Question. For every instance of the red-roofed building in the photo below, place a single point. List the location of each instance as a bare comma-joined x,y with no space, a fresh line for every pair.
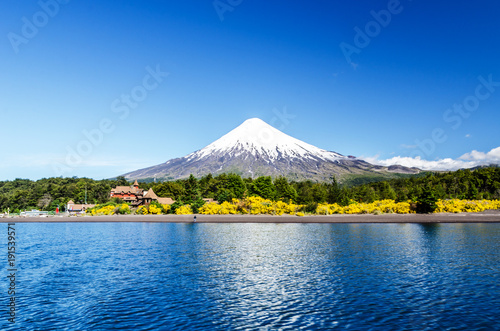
127,193
136,197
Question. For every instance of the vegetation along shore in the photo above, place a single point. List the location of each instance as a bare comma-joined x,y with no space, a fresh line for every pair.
229,194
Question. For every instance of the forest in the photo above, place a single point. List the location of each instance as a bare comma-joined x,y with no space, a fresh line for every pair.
51,193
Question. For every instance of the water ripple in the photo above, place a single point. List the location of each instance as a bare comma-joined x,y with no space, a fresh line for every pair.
145,276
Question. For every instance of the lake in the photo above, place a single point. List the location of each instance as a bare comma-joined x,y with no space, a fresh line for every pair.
172,276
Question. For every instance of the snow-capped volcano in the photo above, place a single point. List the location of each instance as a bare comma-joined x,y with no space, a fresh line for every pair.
254,149
257,138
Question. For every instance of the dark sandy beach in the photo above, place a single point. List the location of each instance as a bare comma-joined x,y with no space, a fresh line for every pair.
491,216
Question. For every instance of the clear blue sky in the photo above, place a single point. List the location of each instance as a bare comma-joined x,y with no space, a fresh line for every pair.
68,68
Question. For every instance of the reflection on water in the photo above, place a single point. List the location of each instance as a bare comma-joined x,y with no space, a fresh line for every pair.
248,276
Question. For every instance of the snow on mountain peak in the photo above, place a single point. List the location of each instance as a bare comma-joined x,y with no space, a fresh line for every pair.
254,149
258,138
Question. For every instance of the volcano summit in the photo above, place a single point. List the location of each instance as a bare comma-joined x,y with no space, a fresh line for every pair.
254,149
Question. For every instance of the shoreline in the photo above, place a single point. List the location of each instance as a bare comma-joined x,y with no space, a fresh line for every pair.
490,216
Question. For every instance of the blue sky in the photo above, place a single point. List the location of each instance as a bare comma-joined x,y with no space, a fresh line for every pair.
97,89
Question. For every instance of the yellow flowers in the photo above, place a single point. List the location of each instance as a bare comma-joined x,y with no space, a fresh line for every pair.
142,210
123,209
224,208
106,210
152,209
166,208
250,205
465,206
376,207
257,205
261,206
109,209
184,210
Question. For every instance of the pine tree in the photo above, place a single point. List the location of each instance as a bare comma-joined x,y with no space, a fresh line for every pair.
334,191
426,202
284,190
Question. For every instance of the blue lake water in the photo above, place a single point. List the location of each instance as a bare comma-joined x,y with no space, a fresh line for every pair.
165,276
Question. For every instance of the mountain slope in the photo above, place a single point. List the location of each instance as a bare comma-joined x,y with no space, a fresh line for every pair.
256,149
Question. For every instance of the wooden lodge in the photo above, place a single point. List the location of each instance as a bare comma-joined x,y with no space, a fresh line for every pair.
137,197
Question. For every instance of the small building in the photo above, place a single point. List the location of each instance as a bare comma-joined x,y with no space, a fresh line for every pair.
209,200
149,196
33,213
78,207
166,201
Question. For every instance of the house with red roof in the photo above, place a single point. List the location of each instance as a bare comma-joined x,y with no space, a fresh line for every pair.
136,196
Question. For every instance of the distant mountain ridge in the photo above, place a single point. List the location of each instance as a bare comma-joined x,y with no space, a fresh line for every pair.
254,149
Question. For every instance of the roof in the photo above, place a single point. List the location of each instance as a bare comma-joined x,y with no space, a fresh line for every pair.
81,206
150,194
125,189
166,201
135,183
70,202
208,200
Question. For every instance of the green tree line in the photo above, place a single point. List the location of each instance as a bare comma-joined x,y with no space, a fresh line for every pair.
49,193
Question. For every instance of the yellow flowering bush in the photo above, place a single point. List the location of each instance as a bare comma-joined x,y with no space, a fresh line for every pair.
123,209
109,209
105,210
467,206
224,208
376,207
142,210
154,210
286,208
390,206
260,206
184,210
228,208
211,208
165,208
327,209
250,205
257,205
